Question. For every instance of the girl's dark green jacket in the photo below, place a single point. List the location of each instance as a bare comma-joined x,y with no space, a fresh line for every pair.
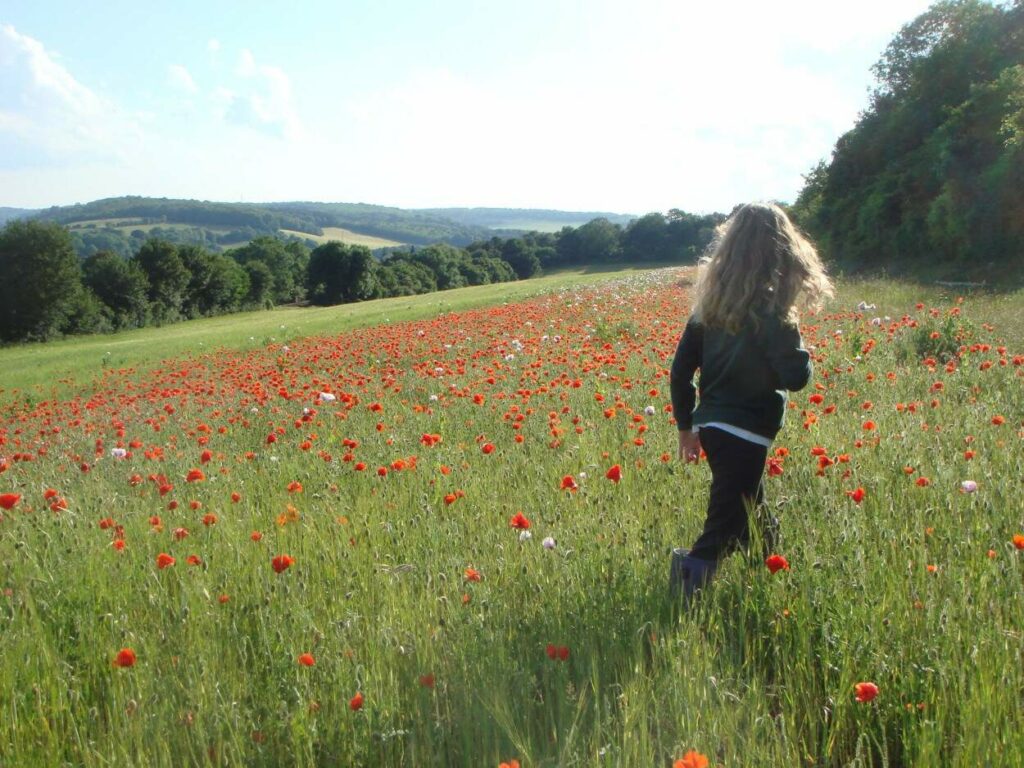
743,377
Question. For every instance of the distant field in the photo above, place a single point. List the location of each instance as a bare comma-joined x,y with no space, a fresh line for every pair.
530,225
129,225
346,236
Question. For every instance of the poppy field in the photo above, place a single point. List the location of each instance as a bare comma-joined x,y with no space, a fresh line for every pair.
446,541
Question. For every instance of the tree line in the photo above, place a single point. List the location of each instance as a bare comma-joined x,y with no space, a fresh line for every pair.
49,291
931,177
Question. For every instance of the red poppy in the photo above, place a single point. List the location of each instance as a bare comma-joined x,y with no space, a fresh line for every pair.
519,521
487,448
125,658
356,702
692,759
1018,540
195,476
614,473
857,495
472,574
193,560
777,563
163,560
294,487
865,692
569,483
306,659
427,681
282,563
8,500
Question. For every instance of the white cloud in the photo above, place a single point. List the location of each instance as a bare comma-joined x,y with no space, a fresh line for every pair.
180,79
246,63
46,114
263,100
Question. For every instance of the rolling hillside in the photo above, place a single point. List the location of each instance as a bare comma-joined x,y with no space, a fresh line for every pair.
122,224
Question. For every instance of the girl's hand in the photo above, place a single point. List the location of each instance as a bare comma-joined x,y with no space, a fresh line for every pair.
689,446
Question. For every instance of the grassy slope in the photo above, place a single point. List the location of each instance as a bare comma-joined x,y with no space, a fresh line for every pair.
46,370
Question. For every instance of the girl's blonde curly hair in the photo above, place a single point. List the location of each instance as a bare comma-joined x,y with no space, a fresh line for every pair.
759,264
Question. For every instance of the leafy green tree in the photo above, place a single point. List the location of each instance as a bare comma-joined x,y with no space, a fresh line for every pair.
217,284
120,285
931,174
498,270
339,273
260,279
287,262
443,260
646,239
167,278
401,275
88,314
41,280
598,241
521,258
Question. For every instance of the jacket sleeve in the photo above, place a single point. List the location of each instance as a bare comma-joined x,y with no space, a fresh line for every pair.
688,358
787,356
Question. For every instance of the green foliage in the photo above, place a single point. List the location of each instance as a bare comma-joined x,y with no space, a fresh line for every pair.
87,314
217,284
938,338
41,280
932,172
339,273
261,285
167,279
121,286
523,260
402,275
287,263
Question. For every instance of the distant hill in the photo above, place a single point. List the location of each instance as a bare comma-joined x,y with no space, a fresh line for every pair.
525,219
7,214
122,224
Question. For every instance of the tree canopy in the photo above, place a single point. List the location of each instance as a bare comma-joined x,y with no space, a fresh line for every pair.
933,172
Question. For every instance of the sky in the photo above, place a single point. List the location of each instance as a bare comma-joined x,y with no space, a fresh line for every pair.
579,105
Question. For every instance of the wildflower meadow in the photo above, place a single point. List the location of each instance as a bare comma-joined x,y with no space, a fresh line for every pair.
446,542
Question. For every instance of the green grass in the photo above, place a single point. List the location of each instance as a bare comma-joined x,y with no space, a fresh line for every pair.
916,588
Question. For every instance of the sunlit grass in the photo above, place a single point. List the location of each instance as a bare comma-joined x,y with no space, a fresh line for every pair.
915,588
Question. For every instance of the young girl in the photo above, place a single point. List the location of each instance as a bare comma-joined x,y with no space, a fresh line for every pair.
743,337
